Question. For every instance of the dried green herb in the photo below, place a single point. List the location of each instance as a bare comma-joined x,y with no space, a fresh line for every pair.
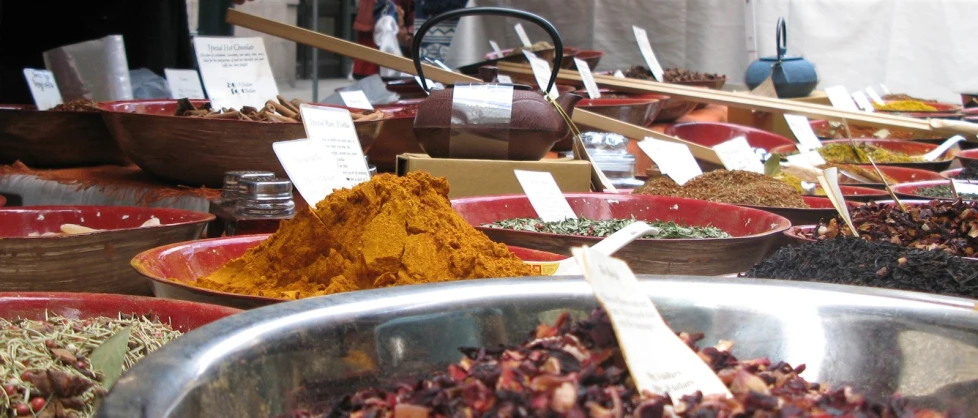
603,228
943,191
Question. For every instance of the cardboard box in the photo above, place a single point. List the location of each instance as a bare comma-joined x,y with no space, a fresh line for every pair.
491,177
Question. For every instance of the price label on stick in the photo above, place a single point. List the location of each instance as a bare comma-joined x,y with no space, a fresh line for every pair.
658,360
43,87
592,87
184,84
863,101
765,89
356,99
335,127
840,98
497,53
541,72
312,168
673,159
874,95
810,158
645,47
885,90
799,126
522,34
963,187
829,179
736,154
544,195
235,71
504,79
619,74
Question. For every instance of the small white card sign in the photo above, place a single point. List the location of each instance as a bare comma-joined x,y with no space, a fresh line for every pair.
736,154
807,159
885,90
504,79
619,74
236,72
496,52
312,168
863,101
965,187
874,95
522,34
830,184
356,99
184,84
592,87
545,195
799,126
541,72
43,87
673,159
840,98
335,126
645,47
658,360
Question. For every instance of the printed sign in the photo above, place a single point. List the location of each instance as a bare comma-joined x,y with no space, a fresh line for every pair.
545,195
736,154
646,48
673,159
356,99
335,127
310,164
236,72
799,126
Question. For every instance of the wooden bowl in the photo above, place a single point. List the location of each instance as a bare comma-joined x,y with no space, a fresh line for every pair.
96,262
819,208
172,267
909,190
754,231
55,139
196,151
710,134
183,316
905,147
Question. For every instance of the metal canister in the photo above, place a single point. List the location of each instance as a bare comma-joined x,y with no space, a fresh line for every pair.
229,193
264,197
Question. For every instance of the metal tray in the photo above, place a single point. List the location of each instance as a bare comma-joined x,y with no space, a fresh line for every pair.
268,361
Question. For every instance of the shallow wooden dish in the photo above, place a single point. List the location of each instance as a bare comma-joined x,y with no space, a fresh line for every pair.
197,151
754,231
96,262
905,147
55,139
170,268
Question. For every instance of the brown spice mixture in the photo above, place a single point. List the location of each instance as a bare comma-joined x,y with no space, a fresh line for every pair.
734,187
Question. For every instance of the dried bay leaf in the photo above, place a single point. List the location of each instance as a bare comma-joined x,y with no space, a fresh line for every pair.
108,358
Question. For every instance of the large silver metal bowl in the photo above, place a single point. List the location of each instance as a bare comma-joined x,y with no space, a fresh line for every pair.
268,361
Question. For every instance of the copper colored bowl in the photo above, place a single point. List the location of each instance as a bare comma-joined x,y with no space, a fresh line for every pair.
55,139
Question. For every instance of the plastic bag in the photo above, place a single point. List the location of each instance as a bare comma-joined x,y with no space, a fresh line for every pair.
385,36
94,70
147,85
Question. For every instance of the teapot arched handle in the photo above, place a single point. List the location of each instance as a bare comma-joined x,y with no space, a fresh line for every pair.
781,38
489,11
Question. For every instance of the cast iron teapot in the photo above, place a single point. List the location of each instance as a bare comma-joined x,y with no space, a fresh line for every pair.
792,76
534,124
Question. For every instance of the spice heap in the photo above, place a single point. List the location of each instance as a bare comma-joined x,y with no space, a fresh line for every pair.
847,154
734,187
603,228
671,75
61,367
833,130
859,262
77,106
893,97
947,226
576,370
282,111
845,171
905,106
537,46
385,232
943,191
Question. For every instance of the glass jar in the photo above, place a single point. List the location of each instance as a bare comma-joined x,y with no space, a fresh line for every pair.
609,152
263,202
229,193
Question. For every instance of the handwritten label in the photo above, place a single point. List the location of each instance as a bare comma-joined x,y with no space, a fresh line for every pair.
807,159
802,129
184,84
541,72
522,34
356,99
658,360
587,78
504,79
765,89
673,159
964,187
840,98
312,168
496,52
830,184
43,87
544,195
736,154
863,101
645,47
885,90
874,95
236,71
335,127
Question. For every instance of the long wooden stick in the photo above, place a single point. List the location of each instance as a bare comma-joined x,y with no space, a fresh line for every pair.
353,50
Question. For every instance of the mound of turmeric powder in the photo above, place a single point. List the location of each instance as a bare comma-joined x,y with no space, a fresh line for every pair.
388,231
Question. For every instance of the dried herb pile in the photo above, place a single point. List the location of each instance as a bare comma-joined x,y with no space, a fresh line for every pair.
833,130
671,75
859,262
77,106
280,110
947,226
603,228
577,370
734,187
61,367
943,191
847,154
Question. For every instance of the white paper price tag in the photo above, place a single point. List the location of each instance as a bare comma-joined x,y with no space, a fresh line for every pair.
496,52
43,87
592,87
799,126
311,167
184,84
658,360
830,184
874,95
964,187
541,72
619,74
862,101
646,48
335,126
356,99
885,90
766,89
544,195
673,159
840,98
807,159
736,154
236,72
431,84
522,34
504,79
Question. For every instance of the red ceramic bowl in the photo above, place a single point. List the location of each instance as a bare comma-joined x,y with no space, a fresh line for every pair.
900,174
862,194
710,134
53,139
591,56
641,112
3,200
968,157
183,316
170,268
905,147
952,173
819,208
95,262
938,108
909,190
753,231
197,151
672,108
